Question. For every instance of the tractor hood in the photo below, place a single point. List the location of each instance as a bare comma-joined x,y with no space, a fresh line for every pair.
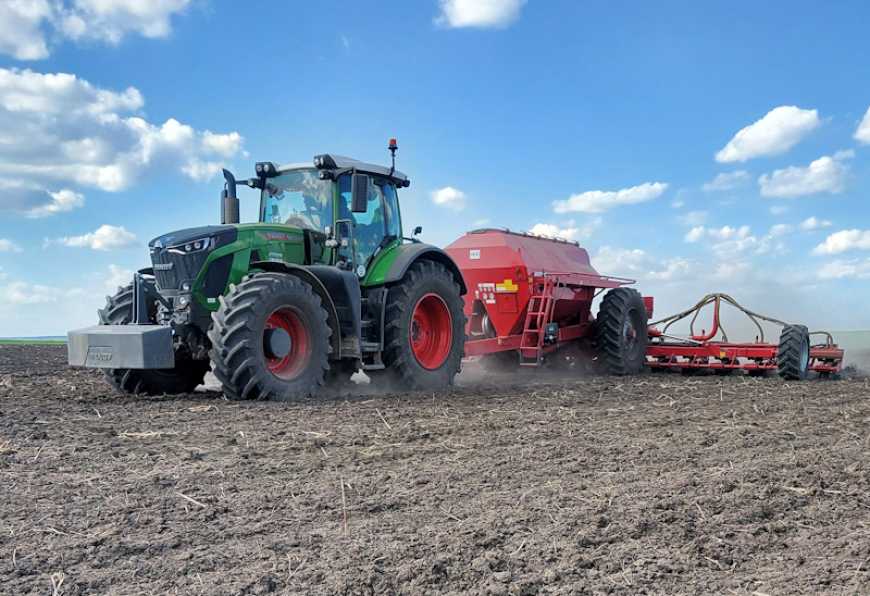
220,235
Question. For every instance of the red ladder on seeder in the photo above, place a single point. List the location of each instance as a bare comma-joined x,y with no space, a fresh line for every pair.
538,315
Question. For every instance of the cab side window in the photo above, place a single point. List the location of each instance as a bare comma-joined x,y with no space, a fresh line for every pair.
369,228
391,206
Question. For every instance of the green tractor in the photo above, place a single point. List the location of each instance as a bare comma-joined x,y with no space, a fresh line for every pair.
323,285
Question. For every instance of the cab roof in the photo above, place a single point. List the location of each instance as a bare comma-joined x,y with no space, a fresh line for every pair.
343,163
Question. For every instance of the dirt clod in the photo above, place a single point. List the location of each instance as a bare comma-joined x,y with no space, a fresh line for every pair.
657,484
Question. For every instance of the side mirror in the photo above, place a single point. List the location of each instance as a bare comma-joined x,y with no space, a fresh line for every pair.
359,193
418,230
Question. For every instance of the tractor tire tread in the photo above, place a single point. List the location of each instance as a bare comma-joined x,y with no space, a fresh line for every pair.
235,352
397,355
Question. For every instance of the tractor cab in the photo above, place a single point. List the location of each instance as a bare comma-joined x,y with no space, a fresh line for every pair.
354,205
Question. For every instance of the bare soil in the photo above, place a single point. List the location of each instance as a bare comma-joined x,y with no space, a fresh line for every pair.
508,485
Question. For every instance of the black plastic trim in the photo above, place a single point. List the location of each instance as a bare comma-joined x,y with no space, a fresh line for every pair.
411,253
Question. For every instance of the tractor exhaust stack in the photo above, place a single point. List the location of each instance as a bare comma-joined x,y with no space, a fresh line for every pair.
229,200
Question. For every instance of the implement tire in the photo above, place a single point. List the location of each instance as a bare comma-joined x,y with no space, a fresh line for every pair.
621,332
793,354
270,339
424,334
184,378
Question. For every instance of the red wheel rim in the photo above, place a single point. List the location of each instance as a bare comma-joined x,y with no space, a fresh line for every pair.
431,331
290,366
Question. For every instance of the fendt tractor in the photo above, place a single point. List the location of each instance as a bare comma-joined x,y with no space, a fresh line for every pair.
322,285
326,284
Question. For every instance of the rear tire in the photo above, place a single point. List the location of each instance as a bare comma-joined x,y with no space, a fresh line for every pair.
262,305
793,355
621,332
184,378
424,334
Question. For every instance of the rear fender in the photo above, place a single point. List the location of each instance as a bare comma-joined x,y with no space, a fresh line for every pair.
319,288
408,254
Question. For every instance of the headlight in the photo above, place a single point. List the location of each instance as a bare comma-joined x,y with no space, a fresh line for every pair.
193,246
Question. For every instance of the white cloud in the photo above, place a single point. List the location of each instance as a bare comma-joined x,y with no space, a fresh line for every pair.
824,175
570,231
731,271
723,233
20,28
678,204
778,131
224,145
843,241
638,263
672,269
59,129
27,25
779,230
478,13
19,292
814,223
727,181
61,201
7,245
553,231
598,201
695,234
111,20
449,197
778,210
105,237
118,277
693,218
862,133
845,269
29,199
728,241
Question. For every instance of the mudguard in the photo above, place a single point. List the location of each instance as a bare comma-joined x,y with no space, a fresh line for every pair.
411,253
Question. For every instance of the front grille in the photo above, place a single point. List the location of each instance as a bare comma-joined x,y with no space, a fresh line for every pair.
184,267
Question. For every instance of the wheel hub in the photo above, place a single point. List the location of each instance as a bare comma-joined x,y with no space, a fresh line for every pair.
286,343
277,342
431,333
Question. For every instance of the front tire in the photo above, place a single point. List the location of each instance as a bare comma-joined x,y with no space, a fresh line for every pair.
184,378
425,328
622,332
270,339
793,354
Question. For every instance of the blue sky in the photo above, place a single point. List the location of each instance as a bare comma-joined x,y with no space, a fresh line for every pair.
597,121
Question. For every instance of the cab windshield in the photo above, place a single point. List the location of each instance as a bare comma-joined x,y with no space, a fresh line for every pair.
298,198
